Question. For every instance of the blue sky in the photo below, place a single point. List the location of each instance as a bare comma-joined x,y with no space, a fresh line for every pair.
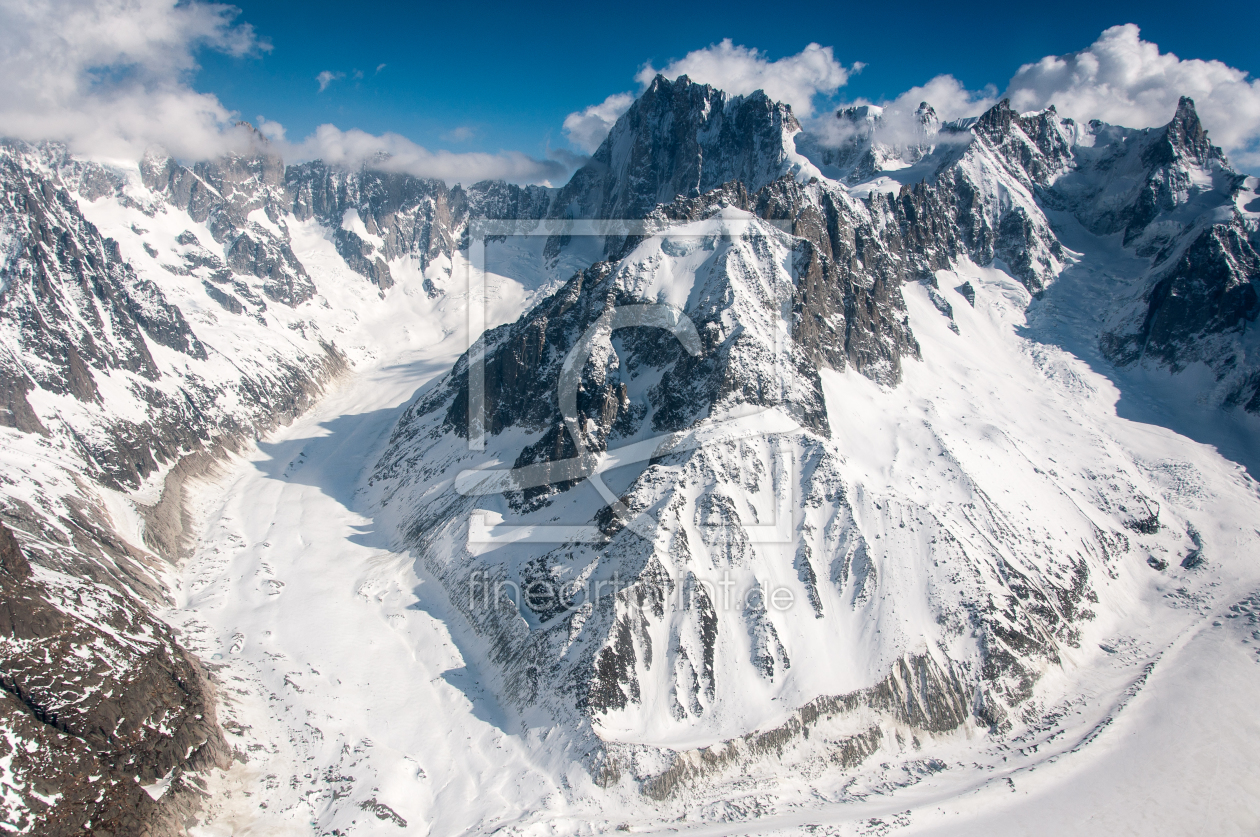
509,73
518,90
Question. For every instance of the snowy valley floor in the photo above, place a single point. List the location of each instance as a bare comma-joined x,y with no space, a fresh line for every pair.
349,697
354,695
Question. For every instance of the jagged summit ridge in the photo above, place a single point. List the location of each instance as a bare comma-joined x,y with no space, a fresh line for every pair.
682,139
1169,191
1187,137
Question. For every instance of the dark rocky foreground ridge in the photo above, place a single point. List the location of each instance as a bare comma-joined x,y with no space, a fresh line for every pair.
88,731
107,374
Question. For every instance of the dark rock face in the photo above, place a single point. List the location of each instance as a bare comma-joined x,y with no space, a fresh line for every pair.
1203,290
402,214
496,199
953,173
58,261
15,410
99,725
680,139
1035,143
409,215
848,305
1024,152
1210,288
847,308
76,309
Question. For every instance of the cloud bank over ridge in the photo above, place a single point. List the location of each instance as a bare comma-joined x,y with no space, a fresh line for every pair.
1119,79
113,78
1124,80
738,70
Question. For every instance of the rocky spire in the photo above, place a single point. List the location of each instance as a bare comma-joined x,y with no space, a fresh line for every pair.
1184,137
995,123
929,122
681,138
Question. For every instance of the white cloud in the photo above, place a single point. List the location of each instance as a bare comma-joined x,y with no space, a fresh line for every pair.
392,152
270,129
326,78
899,121
587,128
111,77
739,70
948,98
460,133
1119,79
1124,80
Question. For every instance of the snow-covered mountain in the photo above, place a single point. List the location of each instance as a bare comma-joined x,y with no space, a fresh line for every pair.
942,591
840,501
860,143
1168,193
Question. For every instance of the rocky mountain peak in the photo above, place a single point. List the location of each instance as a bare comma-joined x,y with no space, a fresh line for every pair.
995,123
927,117
1036,148
868,139
681,138
861,114
1184,138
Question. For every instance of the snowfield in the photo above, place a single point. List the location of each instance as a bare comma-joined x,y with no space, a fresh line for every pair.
359,703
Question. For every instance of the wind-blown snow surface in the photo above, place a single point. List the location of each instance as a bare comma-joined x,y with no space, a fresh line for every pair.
360,704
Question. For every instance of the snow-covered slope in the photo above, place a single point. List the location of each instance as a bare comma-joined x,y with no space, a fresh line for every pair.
946,544
828,492
386,702
156,317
